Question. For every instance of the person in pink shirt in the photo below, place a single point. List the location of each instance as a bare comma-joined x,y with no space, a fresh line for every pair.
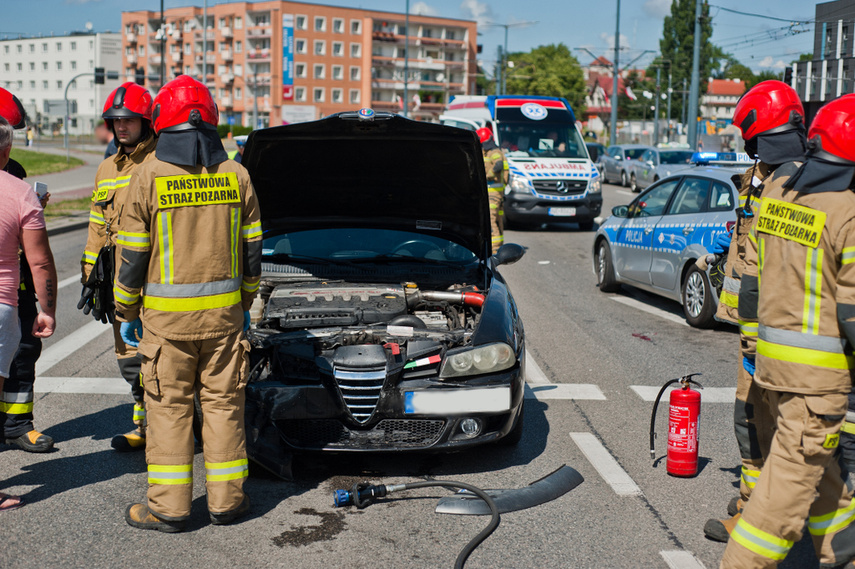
22,226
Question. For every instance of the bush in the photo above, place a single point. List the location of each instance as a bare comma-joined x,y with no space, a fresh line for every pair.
237,130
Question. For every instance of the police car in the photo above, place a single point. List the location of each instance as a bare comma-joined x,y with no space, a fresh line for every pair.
653,242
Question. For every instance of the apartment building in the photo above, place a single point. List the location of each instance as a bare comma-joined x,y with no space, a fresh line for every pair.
41,71
719,102
288,61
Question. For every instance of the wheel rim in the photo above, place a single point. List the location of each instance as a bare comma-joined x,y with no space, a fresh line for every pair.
633,184
623,178
601,263
695,290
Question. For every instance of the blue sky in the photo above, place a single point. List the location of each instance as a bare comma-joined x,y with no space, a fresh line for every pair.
758,42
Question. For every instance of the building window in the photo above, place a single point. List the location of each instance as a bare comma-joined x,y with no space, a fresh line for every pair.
32,48
21,66
74,46
320,47
32,66
337,72
337,96
6,66
300,94
239,70
73,65
44,47
319,71
58,66
221,23
20,48
338,26
300,46
238,23
354,73
32,84
449,34
238,46
238,93
141,50
301,22
318,95
300,70
44,65
338,48
45,85
355,50
59,84
354,96
58,46
320,24
356,26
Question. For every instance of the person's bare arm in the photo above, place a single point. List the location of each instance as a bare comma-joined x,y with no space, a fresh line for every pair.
37,249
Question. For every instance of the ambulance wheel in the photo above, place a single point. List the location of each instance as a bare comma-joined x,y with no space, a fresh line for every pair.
605,270
698,303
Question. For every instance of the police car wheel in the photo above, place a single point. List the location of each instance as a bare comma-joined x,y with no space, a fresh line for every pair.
624,181
605,270
698,305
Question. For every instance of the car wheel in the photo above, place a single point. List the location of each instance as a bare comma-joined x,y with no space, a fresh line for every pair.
633,184
623,179
514,436
605,270
698,302
655,179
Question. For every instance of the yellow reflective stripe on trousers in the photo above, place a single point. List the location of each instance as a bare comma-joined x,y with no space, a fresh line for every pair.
170,473
234,226
750,477
729,299
748,328
848,427
251,230
97,218
164,225
139,412
221,471
847,255
16,408
804,356
759,541
832,522
813,291
142,240
167,304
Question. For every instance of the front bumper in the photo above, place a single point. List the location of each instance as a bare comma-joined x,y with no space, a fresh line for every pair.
536,209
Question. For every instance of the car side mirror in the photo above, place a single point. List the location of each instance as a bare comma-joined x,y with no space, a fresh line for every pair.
620,211
508,254
618,157
650,163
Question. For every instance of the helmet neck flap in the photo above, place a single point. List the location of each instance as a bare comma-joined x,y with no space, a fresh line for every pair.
191,146
822,172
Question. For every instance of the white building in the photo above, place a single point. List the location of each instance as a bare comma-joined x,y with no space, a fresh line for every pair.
39,71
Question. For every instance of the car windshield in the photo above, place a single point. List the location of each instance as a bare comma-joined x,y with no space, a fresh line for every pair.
676,156
363,244
634,153
541,140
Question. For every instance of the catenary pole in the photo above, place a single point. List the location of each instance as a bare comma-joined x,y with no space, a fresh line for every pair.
692,118
616,73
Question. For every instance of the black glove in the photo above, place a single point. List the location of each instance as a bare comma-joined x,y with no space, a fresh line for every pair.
86,302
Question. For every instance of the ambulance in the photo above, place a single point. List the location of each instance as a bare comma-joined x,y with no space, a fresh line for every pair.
552,177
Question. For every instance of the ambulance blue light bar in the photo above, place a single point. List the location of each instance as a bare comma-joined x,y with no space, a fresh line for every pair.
706,158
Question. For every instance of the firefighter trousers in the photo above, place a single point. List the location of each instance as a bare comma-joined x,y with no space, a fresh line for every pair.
16,398
847,437
803,460
496,194
129,366
754,427
172,373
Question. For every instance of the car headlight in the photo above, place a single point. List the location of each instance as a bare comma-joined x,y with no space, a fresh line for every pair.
476,361
595,186
519,184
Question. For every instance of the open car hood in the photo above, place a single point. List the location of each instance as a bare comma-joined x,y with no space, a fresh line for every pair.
371,169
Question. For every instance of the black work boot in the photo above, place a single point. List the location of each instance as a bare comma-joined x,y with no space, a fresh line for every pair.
139,516
129,442
225,518
33,441
720,530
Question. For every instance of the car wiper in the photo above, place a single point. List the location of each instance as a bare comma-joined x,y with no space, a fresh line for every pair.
280,257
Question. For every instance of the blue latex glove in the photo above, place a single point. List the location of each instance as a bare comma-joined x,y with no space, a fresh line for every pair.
748,365
129,332
246,321
721,243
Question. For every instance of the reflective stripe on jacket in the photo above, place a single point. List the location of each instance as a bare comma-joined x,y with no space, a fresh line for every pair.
189,250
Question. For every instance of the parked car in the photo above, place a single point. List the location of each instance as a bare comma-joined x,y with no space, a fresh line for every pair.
618,162
657,163
596,152
653,242
385,324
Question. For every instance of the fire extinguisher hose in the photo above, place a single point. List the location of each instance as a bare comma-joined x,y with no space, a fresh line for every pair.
653,417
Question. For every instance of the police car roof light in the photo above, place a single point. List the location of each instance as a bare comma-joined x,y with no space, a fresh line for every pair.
706,158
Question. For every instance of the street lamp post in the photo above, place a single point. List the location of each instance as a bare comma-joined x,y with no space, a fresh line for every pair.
501,82
613,118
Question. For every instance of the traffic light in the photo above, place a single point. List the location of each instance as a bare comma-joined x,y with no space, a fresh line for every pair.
139,76
788,75
99,75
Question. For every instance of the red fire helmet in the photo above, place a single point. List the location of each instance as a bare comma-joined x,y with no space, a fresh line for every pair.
11,109
129,100
769,107
183,103
484,134
834,124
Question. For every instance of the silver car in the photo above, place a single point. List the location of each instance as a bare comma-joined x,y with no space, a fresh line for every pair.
618,162
653,242
655,164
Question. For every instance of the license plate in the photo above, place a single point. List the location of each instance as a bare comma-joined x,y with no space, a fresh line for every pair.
457,401
562,211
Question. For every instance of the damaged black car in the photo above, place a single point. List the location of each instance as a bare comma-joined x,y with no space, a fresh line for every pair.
382,323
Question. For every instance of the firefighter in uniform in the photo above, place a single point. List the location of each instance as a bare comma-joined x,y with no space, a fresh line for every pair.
497,176
16,398
127,112
190,262
799,282
771,117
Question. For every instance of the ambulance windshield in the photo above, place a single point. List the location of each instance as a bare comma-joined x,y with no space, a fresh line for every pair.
544,139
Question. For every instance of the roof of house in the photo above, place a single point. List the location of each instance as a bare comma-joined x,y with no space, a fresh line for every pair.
732,87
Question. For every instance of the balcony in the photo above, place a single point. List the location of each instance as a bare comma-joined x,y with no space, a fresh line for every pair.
132,59
176,34
177,56
208,36
226,55
227,33
132,38
226,102
258,32
155,59
258,54
227,78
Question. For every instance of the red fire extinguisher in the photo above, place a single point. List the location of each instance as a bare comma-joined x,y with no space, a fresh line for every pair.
683,414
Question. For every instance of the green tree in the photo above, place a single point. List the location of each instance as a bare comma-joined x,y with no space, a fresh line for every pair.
677,45
548,70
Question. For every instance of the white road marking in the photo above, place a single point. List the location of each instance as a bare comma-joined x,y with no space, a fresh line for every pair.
533,373
543,262
624,192
70,344
681,560
599,219
650,309
90,385
606,465
70,280
708,394
542,392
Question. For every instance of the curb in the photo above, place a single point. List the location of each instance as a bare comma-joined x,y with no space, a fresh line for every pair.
69,224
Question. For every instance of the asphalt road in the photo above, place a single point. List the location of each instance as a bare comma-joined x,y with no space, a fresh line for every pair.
585,409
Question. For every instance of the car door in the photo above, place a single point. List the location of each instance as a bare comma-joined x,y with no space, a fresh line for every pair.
634,240
645,169
609,161
684,223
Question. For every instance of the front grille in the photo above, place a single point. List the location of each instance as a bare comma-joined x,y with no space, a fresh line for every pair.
560,187
388,433
360,390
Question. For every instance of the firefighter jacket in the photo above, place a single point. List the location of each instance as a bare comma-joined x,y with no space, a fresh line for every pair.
189,250
110,198
496,166
799,280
